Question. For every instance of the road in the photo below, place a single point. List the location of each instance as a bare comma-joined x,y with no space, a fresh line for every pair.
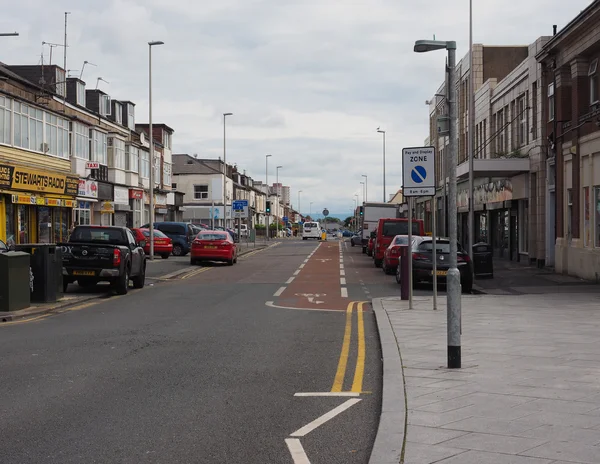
264,362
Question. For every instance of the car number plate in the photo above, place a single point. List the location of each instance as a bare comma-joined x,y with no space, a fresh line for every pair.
440,273
84,273
210,247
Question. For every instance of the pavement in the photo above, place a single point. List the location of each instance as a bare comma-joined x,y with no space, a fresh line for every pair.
528,391
196,369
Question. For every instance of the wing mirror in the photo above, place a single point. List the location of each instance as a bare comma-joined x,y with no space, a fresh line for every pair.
142,243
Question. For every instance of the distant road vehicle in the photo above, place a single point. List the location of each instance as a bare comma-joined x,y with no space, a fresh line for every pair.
387,229
182,234
311,230
163,245
372,213
392,253
104,254
213,245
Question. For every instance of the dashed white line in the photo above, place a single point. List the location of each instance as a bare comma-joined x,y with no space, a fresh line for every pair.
344,292
342,281
341,266
342,272
297,272
302,265
279,292
301,432
290,280
297,451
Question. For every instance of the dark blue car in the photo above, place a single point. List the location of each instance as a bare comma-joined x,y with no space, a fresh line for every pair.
182,234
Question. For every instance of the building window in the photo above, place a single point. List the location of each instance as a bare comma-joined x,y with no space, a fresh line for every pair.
131,116
157,170
56,136
593,74
133,159
586,218
500,133
80,94
174,186
200,192
98,142
569,213
105,105
145,166
166,174
551,102
167,140
5,120
29,127
522,118
81,141
118,114
118,153
534,111
597,216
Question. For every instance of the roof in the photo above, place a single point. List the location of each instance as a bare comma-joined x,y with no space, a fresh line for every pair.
187,164
155,124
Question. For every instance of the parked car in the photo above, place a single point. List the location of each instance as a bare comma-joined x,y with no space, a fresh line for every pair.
231,232
244,232
163,245
347,233
181,233
103,254
387,229
213,245
3,247
422,262
356,240
392,253
371,244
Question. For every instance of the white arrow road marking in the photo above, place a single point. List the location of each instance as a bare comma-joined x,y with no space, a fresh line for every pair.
324,260
324,418
297,451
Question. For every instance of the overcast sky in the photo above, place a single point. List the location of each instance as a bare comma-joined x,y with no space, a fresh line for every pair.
308,81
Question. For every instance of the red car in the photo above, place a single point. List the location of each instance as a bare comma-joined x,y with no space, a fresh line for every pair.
371,243
392,253
213,245
163,245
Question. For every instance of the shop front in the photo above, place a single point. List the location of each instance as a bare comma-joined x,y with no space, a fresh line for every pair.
160,207
36,205
104,210
136,197
86,197
122,208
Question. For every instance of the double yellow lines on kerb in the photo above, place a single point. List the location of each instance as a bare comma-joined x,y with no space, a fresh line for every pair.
340,375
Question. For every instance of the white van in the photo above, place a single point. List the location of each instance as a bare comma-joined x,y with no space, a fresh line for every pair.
244,230
311,230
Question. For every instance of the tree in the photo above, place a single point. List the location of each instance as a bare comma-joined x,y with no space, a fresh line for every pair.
348,221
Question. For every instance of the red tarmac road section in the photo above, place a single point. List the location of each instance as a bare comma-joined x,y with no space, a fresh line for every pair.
317,286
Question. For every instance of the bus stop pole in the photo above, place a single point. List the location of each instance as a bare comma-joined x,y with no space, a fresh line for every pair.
433,239
410,276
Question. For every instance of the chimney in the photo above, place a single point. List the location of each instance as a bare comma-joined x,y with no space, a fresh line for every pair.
554,29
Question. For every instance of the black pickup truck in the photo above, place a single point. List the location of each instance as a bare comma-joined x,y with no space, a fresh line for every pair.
108,254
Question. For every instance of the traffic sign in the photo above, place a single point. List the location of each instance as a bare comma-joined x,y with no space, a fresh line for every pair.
325,212
418,171
239,205
284,219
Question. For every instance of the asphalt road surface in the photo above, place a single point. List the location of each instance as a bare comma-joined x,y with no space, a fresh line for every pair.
262,362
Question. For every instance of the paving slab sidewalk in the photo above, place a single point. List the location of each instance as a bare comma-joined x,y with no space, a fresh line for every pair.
528,391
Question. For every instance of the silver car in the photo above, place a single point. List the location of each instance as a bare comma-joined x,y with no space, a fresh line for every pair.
356,240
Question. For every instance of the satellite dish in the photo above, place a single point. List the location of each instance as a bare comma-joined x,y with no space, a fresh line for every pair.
142,139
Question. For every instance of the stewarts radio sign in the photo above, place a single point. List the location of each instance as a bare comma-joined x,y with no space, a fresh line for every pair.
32,180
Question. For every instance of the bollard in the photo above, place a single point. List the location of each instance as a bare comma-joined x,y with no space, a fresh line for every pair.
404,277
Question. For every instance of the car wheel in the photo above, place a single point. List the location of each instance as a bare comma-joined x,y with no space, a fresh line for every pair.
398,275
230,262
235,259
165,256
364,250
377,262
177,250
352,243
140,280
121,286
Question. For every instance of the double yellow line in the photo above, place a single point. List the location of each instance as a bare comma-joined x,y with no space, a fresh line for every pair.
357,383
194,273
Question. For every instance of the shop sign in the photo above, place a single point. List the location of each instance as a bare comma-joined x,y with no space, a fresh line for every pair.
160,201
136,194
88,188
107,207
492,192
21,178
121,195
92,165
41,201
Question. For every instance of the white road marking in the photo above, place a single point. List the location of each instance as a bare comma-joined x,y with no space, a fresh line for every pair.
351,394
342,272
272,304
324,418
302,265
297,451
342,281
305,261
290,280
341,266
280,291
344,292
297,272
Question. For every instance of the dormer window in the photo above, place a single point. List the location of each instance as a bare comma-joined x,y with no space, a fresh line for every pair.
61,82
105,109
80,93
118,113
131,116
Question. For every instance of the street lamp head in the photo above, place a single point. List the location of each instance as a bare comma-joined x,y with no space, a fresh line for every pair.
423,46
9,34
227,114
268,156
156,42
380,131
279,167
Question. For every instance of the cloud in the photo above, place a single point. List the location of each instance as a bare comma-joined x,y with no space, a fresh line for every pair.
308,82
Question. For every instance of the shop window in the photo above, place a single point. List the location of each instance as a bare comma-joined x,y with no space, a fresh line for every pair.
23,224
11,239
44,234
524,232
586,218
597,216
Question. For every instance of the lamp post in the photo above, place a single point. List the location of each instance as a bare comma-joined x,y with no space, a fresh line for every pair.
225,173
9,34
453,278
355,215
277,196
366,186
383,132
267,192
151,141
299,212
364,191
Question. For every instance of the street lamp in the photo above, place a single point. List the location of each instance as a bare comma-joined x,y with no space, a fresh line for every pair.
151,141
366,186
355,214
299,212
277,196
225,173
364,193
453,278
267,191
383,132
9,34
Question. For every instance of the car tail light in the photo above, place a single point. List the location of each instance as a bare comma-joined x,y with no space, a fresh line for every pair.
395,251
116,257
463,258
420,257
